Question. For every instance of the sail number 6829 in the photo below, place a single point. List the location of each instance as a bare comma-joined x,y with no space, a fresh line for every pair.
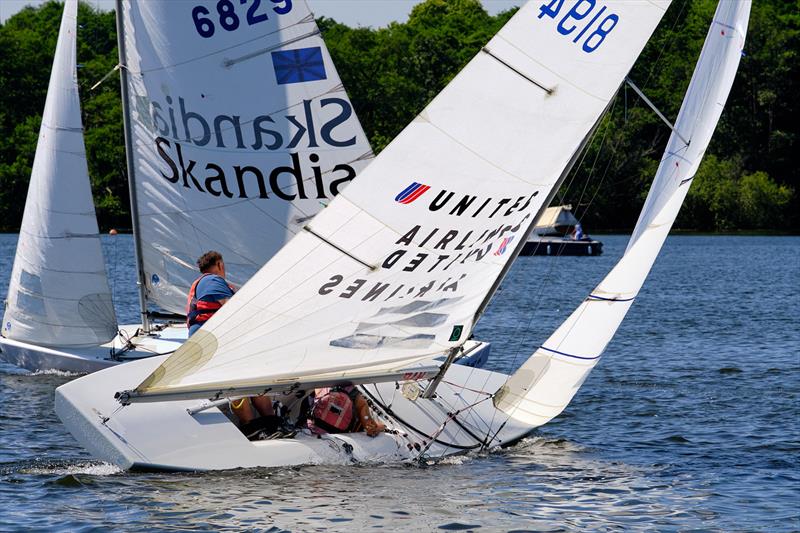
228,17
575,21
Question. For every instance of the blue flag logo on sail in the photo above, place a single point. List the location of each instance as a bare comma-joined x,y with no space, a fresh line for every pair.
503,245
299,65
411,193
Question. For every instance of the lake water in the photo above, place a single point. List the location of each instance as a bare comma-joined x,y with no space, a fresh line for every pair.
690,422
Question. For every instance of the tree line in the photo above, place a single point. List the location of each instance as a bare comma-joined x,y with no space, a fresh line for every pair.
748,179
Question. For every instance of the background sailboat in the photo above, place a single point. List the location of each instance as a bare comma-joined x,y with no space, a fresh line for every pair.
59,293
239,132
234,140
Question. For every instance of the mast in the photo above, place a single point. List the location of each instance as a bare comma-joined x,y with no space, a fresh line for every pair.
126,115
488,298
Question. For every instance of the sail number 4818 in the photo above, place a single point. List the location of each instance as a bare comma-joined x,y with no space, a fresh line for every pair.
229,18
580,20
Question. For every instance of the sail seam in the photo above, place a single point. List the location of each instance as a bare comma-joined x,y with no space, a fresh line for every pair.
677,155
59,237
487,160
728,26
192,60
71,272
591,358
228,63
595,297
69,129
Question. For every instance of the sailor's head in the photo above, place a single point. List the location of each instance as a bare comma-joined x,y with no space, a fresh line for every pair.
211,263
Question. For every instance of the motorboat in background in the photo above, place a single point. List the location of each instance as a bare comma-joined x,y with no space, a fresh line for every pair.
558,233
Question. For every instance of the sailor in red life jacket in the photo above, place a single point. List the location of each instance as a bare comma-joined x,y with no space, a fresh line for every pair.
207,295
341,410
209,292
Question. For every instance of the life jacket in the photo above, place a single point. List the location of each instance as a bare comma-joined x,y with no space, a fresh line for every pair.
199,311
333,411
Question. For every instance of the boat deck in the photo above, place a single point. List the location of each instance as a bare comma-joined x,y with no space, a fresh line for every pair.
92,358
561,246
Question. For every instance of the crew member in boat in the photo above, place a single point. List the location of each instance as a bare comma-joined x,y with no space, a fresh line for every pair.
341,410
209,292
207,295
578,234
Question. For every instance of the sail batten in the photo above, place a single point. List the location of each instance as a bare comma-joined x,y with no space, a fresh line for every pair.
546,383
59,293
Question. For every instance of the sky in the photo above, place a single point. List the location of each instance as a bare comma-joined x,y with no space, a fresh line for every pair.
351,12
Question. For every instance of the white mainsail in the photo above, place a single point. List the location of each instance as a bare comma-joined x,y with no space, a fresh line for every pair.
241,132
59,292
546,383
396,267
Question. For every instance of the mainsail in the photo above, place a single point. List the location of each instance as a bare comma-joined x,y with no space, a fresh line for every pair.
546,383
59,293
241,131
395,268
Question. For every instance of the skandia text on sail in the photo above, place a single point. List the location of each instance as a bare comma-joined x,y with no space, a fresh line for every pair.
178,130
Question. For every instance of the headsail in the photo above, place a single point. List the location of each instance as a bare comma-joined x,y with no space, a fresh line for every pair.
59,293
241,132
546,383
395,268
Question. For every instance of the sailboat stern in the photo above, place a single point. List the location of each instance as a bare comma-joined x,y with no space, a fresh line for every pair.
85,425
161,436
86,406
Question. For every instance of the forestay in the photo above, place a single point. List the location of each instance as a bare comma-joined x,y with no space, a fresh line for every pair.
395,268
546,383
241,132
59,293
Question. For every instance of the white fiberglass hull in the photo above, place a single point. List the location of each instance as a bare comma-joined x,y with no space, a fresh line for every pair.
165,436
93,358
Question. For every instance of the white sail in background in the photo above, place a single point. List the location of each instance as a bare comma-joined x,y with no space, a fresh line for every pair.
396,267
546,383
59,293
241,132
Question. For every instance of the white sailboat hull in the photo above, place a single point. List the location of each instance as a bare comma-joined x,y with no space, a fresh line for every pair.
85,360
165,436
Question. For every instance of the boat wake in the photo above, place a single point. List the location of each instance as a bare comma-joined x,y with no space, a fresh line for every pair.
59,373
90,469
60,468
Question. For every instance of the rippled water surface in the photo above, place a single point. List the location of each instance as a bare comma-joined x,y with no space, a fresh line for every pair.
690,421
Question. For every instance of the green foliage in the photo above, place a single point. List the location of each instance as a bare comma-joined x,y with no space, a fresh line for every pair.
28,40
726,197
392,73
749,175
747,181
